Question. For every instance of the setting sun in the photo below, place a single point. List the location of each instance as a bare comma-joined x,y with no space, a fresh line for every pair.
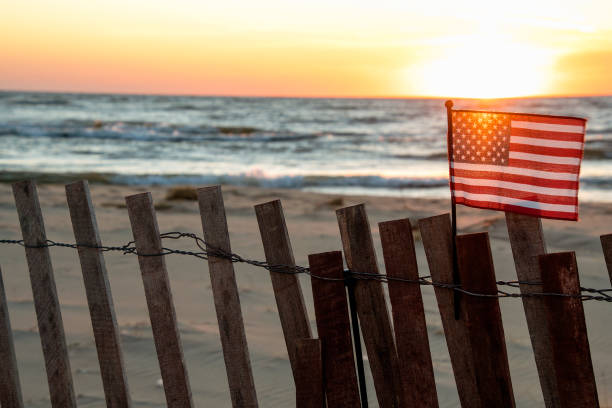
486,67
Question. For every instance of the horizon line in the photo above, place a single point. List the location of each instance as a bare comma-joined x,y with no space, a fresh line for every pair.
297,96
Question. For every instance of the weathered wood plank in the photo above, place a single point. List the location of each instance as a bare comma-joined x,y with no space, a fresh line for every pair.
159,300
527,241
606,244
436,235
334,329
483,320
287,289
227,299
570,343
371,306
408,313
46,303
10,388
99,297
309,374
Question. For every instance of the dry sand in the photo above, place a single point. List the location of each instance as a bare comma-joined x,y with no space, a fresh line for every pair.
313,228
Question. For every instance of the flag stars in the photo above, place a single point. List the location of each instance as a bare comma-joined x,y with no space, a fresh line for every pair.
481,136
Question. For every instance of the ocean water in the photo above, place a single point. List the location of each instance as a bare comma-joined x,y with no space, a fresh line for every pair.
364,146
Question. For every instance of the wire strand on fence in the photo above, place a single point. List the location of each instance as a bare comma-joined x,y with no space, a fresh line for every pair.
206,250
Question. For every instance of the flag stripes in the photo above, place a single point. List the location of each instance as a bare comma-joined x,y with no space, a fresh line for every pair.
549,167
536,173
517,152
534,181
496,202
519,171
518,194
563,136
549,127
528,188
545,142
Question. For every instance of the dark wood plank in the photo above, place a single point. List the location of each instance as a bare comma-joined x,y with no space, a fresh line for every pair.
10,388
227,300
46,303
527,241
606,244
570,343
371,306
334,329
159,300
309,374
436,235
287,289
99,297
408,314
483,319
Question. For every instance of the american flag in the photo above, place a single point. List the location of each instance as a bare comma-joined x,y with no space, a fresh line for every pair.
519,163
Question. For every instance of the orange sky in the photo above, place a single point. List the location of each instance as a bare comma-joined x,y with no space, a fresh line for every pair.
280,48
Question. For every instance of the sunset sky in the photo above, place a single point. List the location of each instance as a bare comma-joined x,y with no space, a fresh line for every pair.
314,48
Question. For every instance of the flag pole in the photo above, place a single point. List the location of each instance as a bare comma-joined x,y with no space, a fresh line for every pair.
449,141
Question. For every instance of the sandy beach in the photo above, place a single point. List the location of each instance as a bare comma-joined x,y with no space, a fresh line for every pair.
313,228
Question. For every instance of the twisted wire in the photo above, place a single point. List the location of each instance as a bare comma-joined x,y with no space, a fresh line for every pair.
206,251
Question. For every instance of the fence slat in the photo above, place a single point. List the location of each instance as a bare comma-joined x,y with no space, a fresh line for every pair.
408,313
334,329
606,244
159,300
227,300
436,234
371,306
527,241
99,297
287,289
483,320
10,388
570,344
46,303
309,374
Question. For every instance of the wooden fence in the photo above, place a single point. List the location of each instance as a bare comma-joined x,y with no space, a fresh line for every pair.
324,368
